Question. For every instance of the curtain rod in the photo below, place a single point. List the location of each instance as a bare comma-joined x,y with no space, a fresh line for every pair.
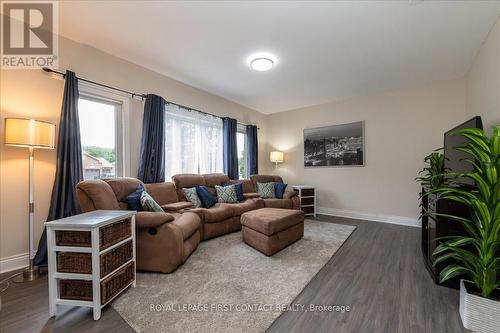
133,94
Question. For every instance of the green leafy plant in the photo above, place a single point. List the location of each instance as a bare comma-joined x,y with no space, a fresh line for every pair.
432,176
479,261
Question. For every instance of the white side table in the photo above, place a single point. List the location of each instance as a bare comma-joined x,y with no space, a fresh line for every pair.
307,197
79,246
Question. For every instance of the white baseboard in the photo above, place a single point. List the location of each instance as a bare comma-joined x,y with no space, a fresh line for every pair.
402,220
11,263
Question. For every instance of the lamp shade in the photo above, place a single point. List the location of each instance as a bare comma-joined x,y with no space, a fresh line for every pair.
277,156
29,133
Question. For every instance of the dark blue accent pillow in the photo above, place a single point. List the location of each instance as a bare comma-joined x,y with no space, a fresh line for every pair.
239,191
279,189
134,199
207,199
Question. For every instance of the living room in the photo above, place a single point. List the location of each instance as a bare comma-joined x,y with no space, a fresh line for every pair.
261,166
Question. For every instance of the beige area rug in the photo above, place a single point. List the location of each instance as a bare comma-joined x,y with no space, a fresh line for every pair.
227,286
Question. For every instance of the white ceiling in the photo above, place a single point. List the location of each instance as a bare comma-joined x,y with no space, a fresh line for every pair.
326,50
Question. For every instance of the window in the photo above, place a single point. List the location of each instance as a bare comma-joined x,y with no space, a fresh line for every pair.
193,142
241,138
100,131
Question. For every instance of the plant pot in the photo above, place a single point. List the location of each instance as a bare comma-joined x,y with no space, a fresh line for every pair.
478,314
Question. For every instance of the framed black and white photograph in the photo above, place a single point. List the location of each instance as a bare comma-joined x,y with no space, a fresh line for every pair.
336,145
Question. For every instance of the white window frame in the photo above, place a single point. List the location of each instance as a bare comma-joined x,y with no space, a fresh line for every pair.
240,128
122,119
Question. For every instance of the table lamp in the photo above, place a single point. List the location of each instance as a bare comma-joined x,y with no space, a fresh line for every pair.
277,157
31,134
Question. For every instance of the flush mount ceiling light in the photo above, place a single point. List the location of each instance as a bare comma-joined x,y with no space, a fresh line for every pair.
262,62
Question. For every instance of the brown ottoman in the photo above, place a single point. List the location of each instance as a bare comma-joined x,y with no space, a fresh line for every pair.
270,230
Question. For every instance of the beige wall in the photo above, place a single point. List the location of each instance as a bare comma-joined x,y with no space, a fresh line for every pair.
401,127
483,81
35,94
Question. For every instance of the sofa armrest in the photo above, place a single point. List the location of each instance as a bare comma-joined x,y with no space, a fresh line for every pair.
176,206
152,219
290,194
295,202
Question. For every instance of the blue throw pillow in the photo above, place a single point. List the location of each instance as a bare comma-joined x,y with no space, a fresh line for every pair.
134,199
239,191
207,199
279,189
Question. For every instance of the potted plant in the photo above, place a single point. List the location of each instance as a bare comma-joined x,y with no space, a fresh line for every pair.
476,255
432,176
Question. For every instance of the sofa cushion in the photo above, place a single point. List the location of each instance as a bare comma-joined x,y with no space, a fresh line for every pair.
279,189
134,199
269,221
192,196
212,179
123,186
226,193
149,204
278,203
186,180
244,206
100,193
266,190
266,179
218,213
176,206
247,184
163,193
206,197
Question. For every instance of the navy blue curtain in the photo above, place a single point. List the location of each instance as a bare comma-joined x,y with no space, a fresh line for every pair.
152,157
252,149
69,169
230,150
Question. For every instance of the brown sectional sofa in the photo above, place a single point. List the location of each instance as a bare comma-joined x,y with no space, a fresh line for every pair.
165,240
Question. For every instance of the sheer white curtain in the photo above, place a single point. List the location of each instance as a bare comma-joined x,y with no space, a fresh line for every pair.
193,142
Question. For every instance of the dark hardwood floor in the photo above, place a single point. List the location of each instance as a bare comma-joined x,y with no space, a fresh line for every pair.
378,272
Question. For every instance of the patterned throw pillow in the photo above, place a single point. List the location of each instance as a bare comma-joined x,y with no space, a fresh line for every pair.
226,193
191,195
266,190
149,204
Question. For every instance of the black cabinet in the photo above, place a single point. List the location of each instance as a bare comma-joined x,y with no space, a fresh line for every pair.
440,227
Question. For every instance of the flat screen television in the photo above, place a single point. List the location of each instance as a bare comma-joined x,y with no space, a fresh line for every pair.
455,160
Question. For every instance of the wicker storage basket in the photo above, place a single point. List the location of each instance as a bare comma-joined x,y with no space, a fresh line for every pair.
108,235
111,286
73,238
114,233
74,262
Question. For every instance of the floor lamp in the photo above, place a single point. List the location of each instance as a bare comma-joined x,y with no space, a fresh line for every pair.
31,134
